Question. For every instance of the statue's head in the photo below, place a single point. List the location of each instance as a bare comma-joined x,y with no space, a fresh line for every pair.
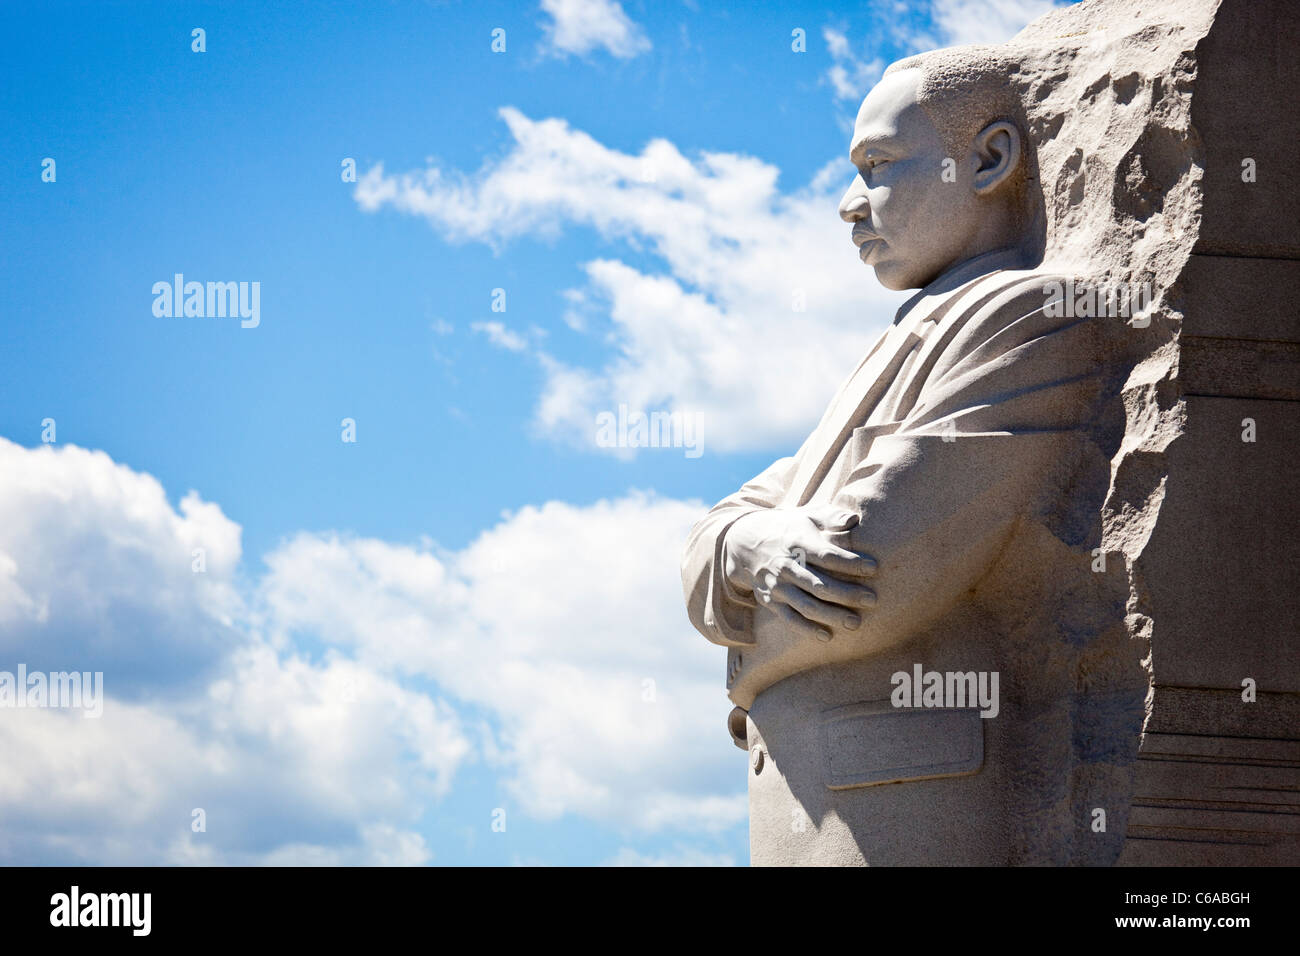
940,150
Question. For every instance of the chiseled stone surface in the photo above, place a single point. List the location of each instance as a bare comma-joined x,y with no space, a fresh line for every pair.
1064,501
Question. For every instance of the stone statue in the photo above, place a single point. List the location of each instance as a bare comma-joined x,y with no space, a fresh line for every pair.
931,659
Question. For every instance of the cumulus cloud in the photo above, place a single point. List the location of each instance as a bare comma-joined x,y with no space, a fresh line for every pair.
607,703
285,760
97,569
580,26
350,683
759,311
272,744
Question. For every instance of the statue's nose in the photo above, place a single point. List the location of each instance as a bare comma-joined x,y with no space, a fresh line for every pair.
854,206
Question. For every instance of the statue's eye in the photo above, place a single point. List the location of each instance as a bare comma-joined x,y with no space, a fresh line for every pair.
876,163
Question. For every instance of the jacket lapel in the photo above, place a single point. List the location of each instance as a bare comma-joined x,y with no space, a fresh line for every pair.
859,395
852,407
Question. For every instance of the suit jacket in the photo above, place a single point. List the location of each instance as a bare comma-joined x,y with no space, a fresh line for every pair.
969,416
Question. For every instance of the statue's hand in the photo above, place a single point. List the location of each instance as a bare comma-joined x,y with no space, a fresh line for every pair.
789,562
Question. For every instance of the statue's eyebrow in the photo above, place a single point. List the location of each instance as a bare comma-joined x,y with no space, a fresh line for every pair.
858,153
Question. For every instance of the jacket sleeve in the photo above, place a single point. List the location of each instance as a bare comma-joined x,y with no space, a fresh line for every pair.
718,611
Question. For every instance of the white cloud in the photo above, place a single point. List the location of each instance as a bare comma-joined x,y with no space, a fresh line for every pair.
849,76
953,22
580,26
565,623
199,712
351,684
500,336
985,21
96,569
283,757
380,845
720,333
680,856
950,23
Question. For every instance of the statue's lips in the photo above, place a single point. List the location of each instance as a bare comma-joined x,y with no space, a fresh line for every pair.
867,246
865,240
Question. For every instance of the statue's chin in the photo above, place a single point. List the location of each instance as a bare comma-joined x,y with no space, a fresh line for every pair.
894,278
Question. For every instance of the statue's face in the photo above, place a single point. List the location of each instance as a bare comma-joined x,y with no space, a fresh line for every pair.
908,223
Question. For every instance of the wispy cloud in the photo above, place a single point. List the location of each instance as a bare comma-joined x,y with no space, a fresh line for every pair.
500,336
850,76
581,26
759,310
986,21
856,62
679,856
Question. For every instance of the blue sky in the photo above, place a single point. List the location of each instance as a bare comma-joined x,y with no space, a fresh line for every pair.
472,607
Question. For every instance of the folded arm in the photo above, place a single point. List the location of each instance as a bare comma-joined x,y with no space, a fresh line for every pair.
997,437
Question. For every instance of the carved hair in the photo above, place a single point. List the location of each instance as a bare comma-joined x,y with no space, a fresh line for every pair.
964,89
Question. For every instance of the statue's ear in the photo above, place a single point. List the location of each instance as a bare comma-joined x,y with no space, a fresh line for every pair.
997,147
